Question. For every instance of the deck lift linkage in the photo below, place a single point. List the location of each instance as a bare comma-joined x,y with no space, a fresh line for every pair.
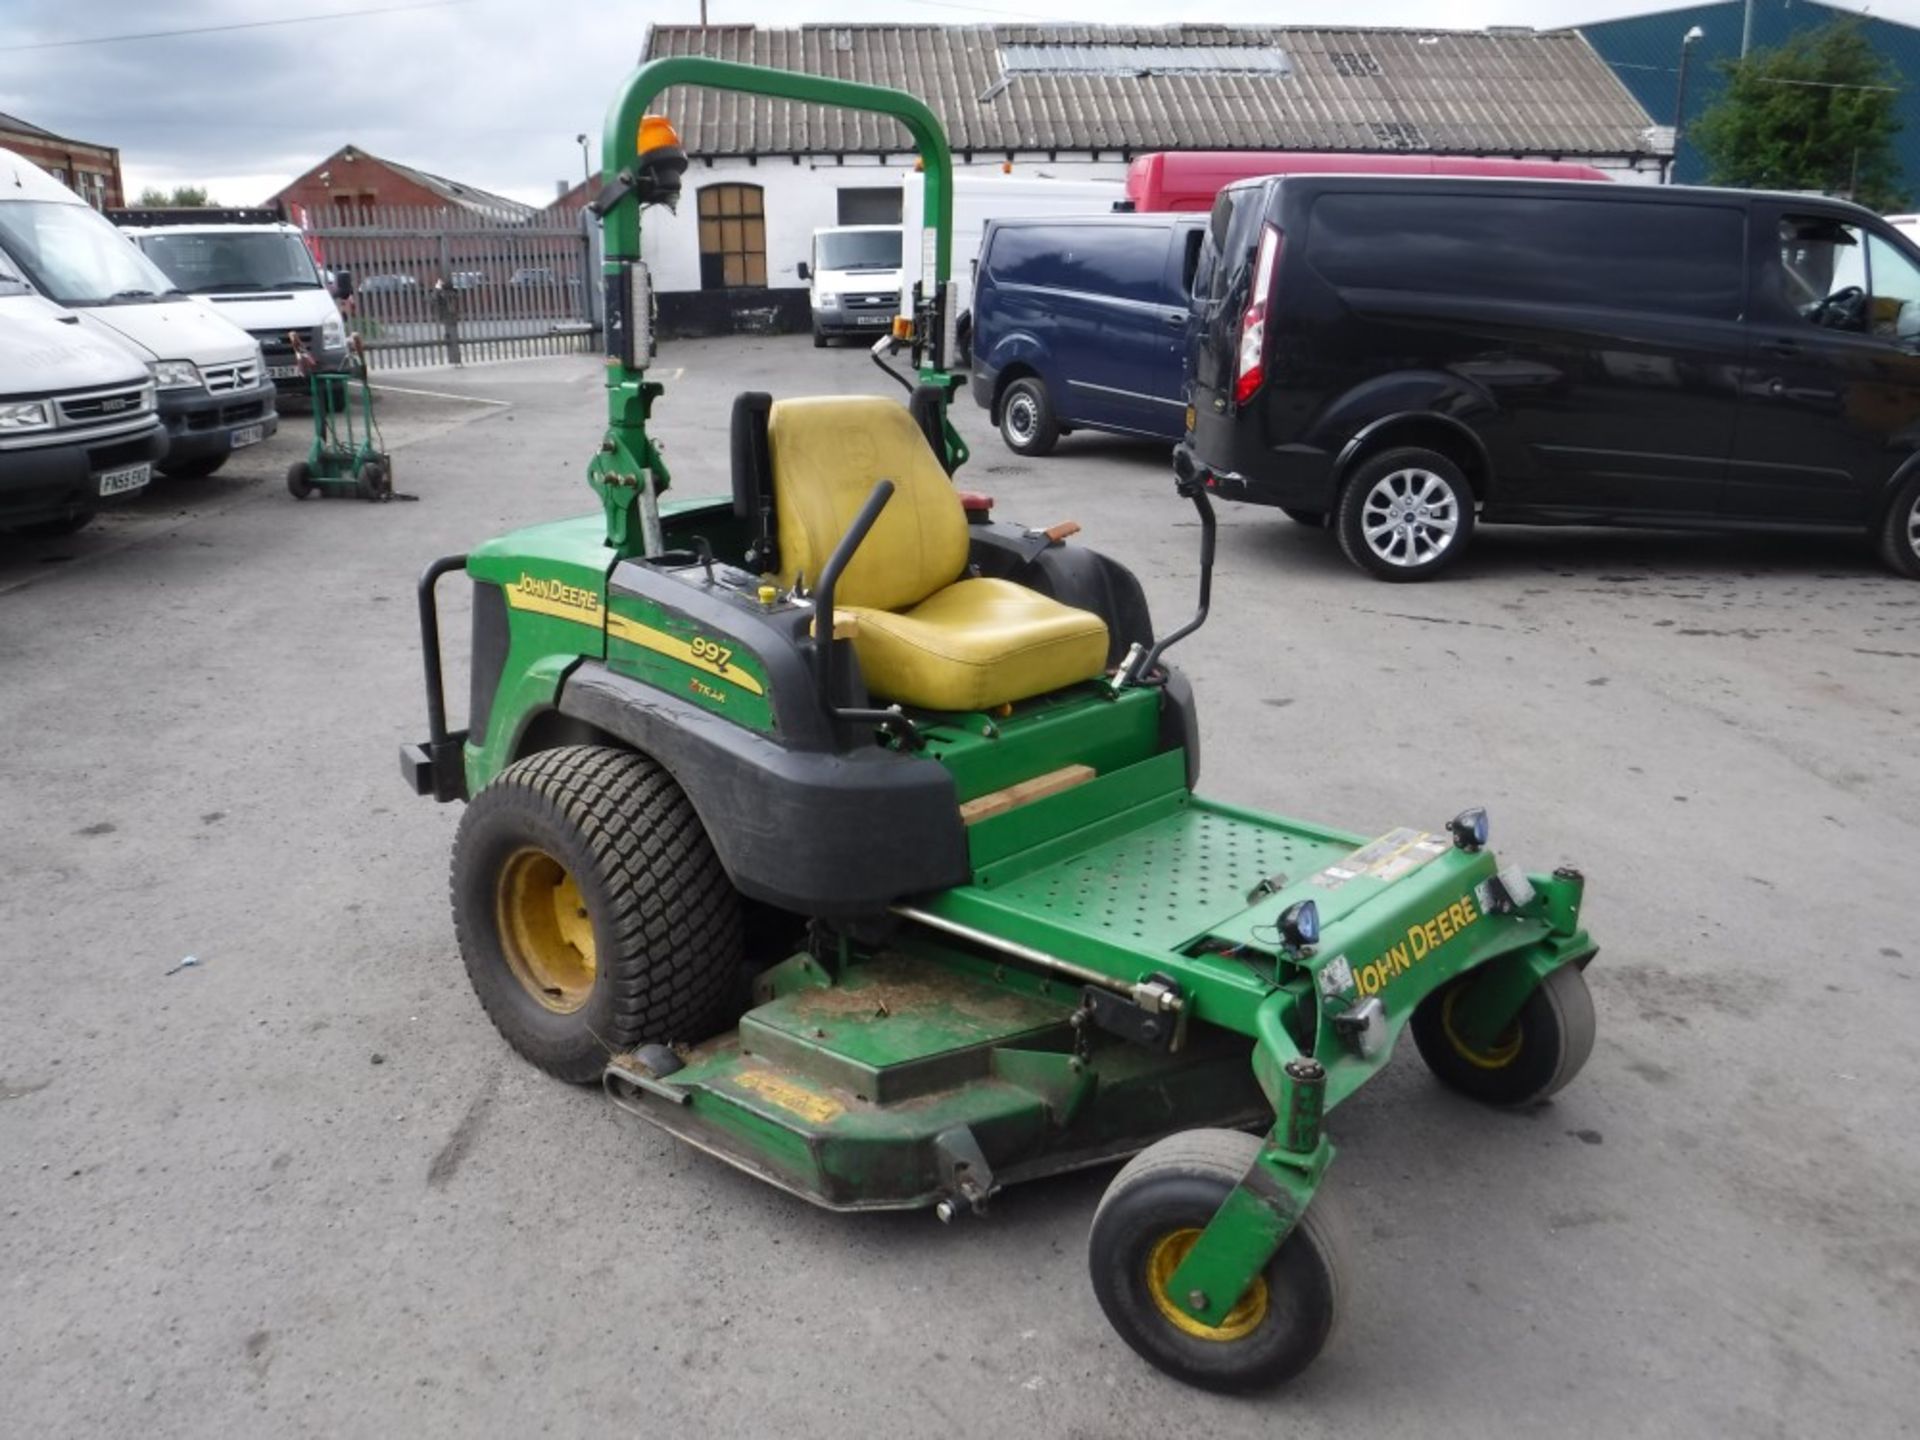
850,836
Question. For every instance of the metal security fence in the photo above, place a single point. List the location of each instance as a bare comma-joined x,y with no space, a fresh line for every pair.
434,287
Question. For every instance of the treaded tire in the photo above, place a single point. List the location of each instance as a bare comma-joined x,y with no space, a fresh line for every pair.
1348,523
1900,531
1178,1184
667,925
1548,1044
1027,422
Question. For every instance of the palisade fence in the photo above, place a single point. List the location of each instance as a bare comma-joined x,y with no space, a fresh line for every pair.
515,287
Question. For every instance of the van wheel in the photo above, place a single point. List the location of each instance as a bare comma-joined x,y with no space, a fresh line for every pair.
1026,418
819,341
1405,514
1900,531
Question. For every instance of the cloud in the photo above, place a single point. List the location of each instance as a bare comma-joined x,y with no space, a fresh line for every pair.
490,92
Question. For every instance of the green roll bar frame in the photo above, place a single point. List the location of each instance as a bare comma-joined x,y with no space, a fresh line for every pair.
628,463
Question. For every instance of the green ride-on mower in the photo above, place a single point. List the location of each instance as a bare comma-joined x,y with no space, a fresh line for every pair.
849,834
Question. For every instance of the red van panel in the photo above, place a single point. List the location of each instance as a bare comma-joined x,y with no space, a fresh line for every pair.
1189,179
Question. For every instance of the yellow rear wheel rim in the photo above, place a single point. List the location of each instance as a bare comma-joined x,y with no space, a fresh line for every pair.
1502,1053
1239,1322
545,930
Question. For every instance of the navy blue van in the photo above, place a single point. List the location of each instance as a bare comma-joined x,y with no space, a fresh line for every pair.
1083,323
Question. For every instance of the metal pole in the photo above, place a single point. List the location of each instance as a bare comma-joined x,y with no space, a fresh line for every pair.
1679,108
586,160
1746,31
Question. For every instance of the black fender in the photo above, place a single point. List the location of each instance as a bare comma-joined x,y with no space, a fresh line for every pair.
1436,400
811,831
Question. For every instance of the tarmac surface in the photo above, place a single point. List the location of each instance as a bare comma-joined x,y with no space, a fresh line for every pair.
300,1187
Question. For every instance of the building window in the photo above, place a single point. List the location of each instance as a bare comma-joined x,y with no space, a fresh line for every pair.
733,237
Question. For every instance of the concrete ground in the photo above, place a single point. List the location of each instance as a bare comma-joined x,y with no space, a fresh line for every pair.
300,1186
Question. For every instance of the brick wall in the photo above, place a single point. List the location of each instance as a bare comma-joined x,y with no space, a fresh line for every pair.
92,171
348,181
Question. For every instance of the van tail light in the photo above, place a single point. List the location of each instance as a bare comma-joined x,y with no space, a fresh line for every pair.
1252,371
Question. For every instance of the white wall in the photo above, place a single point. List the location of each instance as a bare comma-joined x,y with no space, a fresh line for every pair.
800,198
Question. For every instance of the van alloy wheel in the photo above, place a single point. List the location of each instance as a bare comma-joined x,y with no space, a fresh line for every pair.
1900,530
1410,517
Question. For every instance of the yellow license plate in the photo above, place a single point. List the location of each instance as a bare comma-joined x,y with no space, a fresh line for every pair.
1189,419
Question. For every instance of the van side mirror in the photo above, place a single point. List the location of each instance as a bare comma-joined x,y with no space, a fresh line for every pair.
342,284
804,270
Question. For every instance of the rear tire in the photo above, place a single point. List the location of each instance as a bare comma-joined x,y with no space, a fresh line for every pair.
1027,422
1547,1044
192,469
299,480
1900,531
373,481
592,912
1405,514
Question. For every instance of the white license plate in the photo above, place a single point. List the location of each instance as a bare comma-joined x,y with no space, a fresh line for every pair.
872,319
283,372
127,477
249,435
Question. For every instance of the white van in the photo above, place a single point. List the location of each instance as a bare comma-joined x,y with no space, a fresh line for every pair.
214,395
254,268
77,418
853,280
983,195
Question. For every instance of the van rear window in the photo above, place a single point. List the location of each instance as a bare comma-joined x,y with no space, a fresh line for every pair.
1601,252
1129,261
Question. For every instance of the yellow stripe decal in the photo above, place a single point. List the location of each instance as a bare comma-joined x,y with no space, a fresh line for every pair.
661,643
556,599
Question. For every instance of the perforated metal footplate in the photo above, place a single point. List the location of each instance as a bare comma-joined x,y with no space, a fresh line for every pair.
1155,887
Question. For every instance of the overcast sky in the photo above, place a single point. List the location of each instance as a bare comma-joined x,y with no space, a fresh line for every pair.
491,92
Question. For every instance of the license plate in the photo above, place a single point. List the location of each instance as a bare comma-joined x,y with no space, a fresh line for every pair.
873,319
283,372
128,477
249,435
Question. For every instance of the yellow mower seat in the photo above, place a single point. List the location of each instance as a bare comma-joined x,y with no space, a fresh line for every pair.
925,636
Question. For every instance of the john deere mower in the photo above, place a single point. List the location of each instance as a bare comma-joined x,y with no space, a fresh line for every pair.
849,834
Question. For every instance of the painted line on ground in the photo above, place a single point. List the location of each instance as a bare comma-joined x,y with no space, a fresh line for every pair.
439,395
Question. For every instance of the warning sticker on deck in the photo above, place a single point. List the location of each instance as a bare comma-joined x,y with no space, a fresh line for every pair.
789,1096
1395,854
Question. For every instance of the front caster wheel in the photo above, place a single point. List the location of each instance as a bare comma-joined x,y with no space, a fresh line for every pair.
1147,1222
591,910
1543,1048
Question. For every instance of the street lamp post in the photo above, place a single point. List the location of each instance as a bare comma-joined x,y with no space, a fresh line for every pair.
1680,95
586,160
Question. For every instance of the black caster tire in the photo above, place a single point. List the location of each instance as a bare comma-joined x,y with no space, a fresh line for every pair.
1900,531
1146,1223
192,469
299,480
1405,514
374,483
1027,422
592,912
1547,1044
1312,519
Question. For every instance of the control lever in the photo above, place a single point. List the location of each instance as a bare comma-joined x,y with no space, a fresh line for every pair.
884,349
824,649
1190,483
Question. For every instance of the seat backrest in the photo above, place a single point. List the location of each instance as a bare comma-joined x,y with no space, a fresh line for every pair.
828,452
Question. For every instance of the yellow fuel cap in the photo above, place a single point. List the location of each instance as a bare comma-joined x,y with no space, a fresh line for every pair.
768,594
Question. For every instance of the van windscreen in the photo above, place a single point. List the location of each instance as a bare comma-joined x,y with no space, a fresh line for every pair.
226,260
859,250
73,255
1602,251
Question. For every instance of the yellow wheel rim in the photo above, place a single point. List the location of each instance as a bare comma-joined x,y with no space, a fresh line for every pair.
545,930
1503,1052
1239,1322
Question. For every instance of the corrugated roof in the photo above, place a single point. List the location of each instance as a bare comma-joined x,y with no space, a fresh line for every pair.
458,192
1447,91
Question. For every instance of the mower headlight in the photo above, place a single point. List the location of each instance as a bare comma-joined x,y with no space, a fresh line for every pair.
1469,829
1300,924
26,415
333,334
176,375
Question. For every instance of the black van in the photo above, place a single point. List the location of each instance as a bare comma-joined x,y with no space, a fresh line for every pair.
1082,322
1390,356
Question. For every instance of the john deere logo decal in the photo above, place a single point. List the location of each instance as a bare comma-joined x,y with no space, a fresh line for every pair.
556,598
